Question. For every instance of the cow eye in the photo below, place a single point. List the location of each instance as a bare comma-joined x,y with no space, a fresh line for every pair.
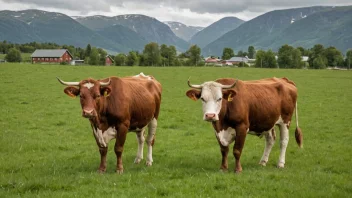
219,99
202,99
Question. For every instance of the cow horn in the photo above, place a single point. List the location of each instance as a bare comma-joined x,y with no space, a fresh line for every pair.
67,83
193,86
105,83
229,86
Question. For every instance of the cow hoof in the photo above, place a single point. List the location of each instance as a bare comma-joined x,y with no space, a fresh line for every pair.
149,163
223,170
263,163
137,160
100,171
238,171
119,171
280,165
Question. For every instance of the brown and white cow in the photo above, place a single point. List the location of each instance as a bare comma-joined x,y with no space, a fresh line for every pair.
115,106
236,107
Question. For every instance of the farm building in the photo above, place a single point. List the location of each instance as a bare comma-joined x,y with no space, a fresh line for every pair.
108,60
212,61
235,60
51,56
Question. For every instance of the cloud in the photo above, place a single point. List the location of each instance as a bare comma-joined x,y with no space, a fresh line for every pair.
191,12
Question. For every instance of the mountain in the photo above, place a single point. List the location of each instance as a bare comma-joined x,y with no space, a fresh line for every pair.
146,27
183,31
215,31
331,27
124,36
262,31
41,26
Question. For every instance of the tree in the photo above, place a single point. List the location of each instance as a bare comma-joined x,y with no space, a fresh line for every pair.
304,52
265,59
315,52
132,58
13,55
168,54
151,54
319,63
289,57
334,56
227,53
120,60
194,55
102,56
348,61
94,57
251,52
88,50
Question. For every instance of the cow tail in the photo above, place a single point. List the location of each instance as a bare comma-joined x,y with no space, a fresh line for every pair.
298,132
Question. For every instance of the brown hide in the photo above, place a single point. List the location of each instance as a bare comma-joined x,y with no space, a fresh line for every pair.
132,99
258,104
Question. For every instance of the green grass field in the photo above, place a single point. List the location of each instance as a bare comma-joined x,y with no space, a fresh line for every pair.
47,149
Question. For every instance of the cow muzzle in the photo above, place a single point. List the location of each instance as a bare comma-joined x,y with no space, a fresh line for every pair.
210,117
88,113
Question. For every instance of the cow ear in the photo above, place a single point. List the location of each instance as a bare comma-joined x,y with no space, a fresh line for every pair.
105,91
71,91
193,94
228,94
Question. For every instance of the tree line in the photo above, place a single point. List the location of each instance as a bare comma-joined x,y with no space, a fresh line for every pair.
287,56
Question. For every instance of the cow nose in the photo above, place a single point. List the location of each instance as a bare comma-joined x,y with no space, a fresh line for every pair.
87,113
209,116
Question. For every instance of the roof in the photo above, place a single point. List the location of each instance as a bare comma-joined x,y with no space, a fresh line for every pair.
50,53
110,58
305,58
238,59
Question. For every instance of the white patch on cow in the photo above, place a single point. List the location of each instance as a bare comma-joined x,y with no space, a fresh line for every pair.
269,142
226,137
284,138
211,99
150,138
103,138
88,85
143,76
140,140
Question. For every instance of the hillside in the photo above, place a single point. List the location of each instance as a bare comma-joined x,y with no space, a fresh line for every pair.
261,31
146,27
41,26
127,38
215,31
183,31
332,27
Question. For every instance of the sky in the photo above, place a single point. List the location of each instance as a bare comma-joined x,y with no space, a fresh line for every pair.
190,12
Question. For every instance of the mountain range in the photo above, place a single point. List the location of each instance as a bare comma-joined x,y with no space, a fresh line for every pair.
330,26
327,25
183,31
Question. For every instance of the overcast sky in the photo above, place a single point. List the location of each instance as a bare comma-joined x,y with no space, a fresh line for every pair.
189,12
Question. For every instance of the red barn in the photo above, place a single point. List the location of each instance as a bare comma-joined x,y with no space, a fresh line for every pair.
108,61
51,56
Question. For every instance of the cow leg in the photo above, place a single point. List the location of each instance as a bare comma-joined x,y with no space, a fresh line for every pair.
140,140
224,151
284,137
103,152
150,140
120,141
269,142
241,132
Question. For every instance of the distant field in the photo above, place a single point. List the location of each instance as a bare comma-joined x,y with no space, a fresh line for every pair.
48,150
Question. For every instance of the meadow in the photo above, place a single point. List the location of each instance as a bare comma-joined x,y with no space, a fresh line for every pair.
47,148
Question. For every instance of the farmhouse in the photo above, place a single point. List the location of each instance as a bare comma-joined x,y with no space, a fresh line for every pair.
51,56
108,60
212,61
235,60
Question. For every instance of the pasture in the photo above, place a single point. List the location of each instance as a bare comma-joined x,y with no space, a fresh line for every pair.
47,149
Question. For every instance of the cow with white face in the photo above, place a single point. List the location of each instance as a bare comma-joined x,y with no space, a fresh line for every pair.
236,107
